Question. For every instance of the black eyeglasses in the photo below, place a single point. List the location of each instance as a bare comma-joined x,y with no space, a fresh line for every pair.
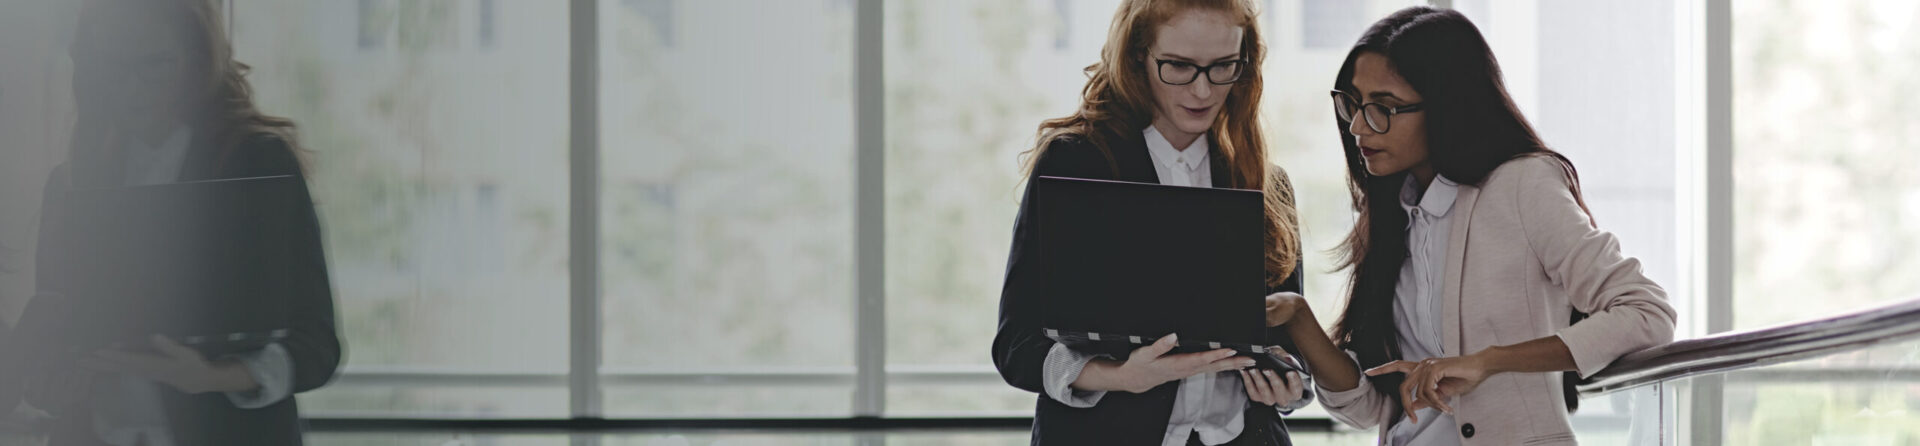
1218,73
1379,116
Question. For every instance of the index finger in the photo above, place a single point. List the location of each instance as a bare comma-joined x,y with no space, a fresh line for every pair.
1202,359
1391,367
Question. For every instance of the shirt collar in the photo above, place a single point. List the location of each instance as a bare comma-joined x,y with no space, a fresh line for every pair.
1438,200
1163,152
149,164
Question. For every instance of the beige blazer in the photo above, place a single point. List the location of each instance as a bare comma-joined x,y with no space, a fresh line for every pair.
1519,258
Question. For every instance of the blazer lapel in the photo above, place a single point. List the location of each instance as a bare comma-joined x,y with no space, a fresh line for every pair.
1130,154
1217,165
1456,256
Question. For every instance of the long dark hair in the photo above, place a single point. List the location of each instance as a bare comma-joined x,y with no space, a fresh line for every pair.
1472,127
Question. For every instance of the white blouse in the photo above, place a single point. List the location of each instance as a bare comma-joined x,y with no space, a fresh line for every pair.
1417,300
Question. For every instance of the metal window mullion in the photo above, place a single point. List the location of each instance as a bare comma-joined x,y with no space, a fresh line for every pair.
1707,416
869,393
1719,166
583,265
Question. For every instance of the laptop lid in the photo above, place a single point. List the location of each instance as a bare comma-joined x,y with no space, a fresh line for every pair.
1141,261
196,261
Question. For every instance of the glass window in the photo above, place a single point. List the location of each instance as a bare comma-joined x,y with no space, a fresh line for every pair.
727,206
1861,397
1826,203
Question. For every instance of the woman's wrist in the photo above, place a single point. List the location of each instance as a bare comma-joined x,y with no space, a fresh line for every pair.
232,376
1101,375
1491,360
1546,354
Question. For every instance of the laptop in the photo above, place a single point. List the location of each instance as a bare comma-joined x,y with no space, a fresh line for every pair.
1123,264
205,263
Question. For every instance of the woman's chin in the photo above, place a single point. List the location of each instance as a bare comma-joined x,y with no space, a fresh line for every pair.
1194,126
1380,169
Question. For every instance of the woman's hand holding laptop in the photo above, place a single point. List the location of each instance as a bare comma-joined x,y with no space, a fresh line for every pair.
1150,366
176,365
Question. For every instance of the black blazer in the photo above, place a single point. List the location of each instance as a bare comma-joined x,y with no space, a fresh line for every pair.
312,343
1019,348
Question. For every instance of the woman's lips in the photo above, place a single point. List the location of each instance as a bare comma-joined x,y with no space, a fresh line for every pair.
1197,111
1366,152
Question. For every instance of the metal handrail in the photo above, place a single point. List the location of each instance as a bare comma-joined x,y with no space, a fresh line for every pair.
1681,359
1759,347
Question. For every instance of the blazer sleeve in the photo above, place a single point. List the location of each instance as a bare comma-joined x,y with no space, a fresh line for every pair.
49,258
1626,311
24,351
48,312
313,341
1361,406
1019,347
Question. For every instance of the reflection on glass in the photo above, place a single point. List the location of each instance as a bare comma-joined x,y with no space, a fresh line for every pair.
438,131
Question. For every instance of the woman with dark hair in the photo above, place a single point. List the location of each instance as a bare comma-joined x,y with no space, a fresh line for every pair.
1478,272
161,100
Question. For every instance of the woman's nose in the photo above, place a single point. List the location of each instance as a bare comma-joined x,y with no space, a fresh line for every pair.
1358,126
1202,88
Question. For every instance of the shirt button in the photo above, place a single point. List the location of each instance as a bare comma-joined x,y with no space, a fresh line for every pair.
1466,430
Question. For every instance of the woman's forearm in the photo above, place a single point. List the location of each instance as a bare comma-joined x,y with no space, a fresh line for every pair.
1330,366
1547,354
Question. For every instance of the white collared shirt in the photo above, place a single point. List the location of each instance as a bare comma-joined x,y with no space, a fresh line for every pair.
147,164
1212,405
1417,299
1190,167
